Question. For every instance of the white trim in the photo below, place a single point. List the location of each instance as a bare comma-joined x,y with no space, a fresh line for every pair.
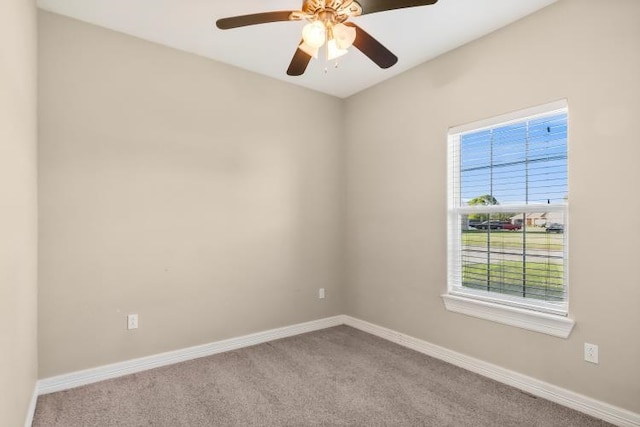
550,324
538,110
570,399
558,308
101,373
31,411
564,397
508,311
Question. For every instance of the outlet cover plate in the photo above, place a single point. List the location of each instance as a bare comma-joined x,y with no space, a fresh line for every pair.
591,353
132,321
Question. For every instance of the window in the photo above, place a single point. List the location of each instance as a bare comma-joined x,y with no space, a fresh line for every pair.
507,222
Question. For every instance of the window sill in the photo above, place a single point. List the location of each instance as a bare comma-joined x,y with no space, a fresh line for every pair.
550,324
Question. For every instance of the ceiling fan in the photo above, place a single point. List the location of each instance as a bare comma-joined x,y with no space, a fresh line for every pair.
328,26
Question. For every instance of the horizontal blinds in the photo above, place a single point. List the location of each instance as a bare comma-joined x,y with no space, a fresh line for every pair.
508,201
519,163
526,263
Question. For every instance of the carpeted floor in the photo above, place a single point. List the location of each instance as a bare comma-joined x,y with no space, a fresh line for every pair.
333,377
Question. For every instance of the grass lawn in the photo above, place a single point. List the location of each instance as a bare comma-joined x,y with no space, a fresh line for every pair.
513,239
536,280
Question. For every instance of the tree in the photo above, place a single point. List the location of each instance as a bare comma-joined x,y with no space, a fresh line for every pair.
487,200
484,200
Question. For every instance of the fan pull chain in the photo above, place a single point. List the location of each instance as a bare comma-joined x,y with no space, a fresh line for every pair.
326,57
336,65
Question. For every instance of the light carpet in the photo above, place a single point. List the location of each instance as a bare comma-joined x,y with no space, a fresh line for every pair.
334,377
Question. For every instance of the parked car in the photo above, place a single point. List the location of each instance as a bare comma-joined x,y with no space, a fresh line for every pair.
484,225
506,225
473,223
498,225
555,228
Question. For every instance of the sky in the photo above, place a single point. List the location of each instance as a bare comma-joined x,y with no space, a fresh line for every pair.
518,163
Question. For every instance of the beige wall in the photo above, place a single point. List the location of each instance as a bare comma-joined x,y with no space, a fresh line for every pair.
197,195
18,210
585,51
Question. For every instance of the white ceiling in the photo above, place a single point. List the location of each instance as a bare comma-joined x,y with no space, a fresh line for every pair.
415,35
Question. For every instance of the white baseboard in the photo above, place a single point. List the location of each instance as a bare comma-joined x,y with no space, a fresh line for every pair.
31,411
584,404
101,373
587,405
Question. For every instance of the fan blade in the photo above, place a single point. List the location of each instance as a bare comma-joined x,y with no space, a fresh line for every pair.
299,63
371,47
373,6
256,18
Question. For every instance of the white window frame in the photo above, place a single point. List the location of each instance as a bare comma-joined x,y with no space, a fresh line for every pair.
539,316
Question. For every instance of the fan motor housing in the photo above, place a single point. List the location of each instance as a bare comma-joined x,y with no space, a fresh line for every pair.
340,10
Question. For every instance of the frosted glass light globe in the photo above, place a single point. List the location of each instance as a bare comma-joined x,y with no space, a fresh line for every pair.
314,34
333,51
344,35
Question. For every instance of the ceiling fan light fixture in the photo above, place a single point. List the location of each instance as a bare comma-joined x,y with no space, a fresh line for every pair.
344,36
309,50
314,34
333,51
327,23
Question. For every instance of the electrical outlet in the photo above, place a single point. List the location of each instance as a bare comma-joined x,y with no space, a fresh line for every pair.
591,353
132,321
321,293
